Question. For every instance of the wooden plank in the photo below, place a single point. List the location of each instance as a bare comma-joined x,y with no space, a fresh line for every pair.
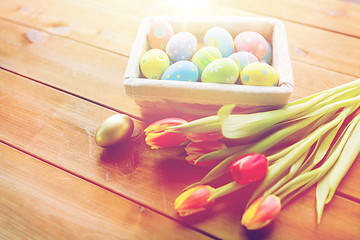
80,21
309,79
328,50
39,201
338,16
59,128
77,68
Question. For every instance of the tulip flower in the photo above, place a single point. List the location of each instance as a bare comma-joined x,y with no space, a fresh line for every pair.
194,200
198,149
205,137
249,168
159,136
261,212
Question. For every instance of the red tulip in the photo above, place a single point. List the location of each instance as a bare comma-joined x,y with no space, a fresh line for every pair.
261,212
159,136
249,168
198,149
194,200
205,137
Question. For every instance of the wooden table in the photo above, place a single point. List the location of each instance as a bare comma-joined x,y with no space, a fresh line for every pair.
62,64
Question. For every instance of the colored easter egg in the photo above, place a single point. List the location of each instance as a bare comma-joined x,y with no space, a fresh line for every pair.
113,130
160,31
268,56
221,39
153,63
259,74
222,70
181,46
242,59
251,42
181,71
204,56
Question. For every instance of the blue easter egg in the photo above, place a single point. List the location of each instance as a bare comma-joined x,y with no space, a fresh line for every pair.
268,56
221,39
181,71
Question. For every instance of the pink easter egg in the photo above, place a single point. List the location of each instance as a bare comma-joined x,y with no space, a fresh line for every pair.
251,42
160,31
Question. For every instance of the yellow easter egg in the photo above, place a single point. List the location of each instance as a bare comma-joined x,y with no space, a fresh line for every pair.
153,63
259,74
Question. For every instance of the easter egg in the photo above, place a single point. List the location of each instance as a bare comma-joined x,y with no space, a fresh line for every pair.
160,31
181,46
259,74
222,70
242,59
113,130
268,56
181,71
204,56
251,42
221,39
153,63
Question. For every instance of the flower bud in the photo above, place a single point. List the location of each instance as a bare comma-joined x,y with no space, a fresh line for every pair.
195,150
249,168
194,200
159,136
205,137
261,212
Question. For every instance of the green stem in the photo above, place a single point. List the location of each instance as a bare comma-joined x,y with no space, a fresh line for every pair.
225,190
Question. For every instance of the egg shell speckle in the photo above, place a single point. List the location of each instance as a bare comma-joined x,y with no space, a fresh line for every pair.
259,74
251,42
221,39
181,46
181,71
204,56
222,70
153,63
160,32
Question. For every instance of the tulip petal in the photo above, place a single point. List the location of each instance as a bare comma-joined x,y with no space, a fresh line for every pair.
261,212
249,168
205,137
158,135
194,200
197,149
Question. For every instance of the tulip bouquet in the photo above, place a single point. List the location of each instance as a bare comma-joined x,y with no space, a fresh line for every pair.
310,141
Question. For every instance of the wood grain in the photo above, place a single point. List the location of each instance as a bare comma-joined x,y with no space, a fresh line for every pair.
306,43
59,129
40,201
70,66
62,62
331,15
67,65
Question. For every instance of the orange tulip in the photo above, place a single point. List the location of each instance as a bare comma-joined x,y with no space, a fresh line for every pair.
194,200
159,136
261,212
198,149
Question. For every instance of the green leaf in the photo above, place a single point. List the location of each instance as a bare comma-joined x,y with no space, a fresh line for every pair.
222,154
350,148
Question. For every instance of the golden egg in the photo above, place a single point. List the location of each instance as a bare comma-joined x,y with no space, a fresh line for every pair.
113,130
